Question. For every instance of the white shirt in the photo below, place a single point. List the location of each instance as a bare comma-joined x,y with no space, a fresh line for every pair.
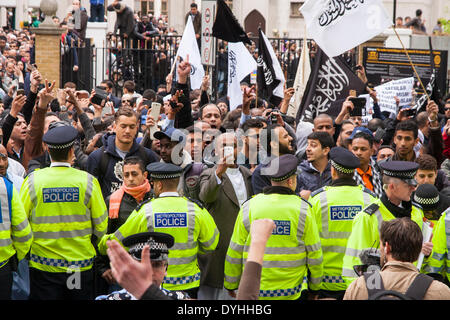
237,180
169,194
15,167
59,164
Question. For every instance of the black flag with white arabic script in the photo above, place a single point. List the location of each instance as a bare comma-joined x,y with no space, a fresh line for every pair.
226,26
268,79
328,86
433,90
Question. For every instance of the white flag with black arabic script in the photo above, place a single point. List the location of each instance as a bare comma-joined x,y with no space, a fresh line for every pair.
301,79
189,46
341,25
240,64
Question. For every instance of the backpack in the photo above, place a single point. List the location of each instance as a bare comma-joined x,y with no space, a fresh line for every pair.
416,290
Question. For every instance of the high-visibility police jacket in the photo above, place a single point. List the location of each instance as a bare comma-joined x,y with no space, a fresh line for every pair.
439,261
15,231
65,208
365,234
333,208
292,249
192,227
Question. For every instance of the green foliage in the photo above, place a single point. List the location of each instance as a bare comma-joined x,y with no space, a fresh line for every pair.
445,25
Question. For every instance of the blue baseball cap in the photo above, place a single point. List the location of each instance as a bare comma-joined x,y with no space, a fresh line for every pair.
172,133
358,130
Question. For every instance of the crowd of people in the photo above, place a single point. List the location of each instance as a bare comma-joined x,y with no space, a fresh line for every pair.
417,25
246,203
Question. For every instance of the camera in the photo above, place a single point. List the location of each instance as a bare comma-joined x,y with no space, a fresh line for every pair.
359,104
99,96
410,112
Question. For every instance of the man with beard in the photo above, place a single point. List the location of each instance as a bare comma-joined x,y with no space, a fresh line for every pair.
277,143
223,190
211,114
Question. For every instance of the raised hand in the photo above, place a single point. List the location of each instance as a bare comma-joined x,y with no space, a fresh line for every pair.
17,104
45,95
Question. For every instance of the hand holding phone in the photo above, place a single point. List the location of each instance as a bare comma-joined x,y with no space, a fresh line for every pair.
228,154
359,104
155,111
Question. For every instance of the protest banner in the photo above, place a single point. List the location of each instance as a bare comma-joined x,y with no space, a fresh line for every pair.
386,93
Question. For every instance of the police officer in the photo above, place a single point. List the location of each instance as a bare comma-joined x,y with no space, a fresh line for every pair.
398,185
439,261
433,202
334,208
187,221
142,279
65,207
15,235
293,257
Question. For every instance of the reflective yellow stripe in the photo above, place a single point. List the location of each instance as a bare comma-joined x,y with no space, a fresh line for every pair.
21,226
149,216
62,234
61,219
6,221
23,238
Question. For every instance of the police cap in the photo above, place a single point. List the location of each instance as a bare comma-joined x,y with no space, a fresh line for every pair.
60,136
159,244
161,170
343,160
427,195
285,166
404,170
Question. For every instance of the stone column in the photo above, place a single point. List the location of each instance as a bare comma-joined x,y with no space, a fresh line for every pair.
3,17
48,44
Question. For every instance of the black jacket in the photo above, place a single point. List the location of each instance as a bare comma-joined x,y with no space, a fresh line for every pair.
111,179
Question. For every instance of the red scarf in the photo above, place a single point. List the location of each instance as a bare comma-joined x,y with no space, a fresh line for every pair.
138,193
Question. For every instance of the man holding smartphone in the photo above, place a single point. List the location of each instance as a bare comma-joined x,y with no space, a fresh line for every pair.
223,190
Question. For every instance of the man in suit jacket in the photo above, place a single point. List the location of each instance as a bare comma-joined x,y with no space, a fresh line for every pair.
223,190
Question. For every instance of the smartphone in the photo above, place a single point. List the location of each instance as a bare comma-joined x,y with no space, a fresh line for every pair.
410,113
106,110
154,113
228,151
273,118
359,104
147,103
20,92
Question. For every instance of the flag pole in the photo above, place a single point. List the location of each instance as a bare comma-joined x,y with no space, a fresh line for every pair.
174,63
412,64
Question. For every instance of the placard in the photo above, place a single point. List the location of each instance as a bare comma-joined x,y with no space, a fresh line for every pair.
385,64
208,49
